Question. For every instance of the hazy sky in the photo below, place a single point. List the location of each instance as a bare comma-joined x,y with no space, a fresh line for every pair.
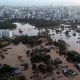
39,2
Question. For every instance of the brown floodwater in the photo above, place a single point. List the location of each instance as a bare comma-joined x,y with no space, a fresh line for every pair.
12,57
72,40
20,50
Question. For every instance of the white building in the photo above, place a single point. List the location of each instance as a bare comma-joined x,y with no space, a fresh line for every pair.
6,33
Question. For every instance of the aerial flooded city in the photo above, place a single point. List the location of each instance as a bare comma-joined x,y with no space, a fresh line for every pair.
40,40
62,32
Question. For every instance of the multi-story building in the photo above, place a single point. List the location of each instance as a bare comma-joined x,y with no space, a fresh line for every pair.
6,33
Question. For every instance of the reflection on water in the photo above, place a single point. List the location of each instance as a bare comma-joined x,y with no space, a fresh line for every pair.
25,29
70,36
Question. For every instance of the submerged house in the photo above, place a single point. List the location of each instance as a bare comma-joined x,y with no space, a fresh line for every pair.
6,33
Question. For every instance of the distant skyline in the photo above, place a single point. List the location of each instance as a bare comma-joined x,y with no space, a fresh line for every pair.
39,2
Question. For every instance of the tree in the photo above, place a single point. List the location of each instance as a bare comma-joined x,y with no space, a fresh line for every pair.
34,66
22,78
42,68
49,68
73,56
6,69
57,61
36,58
46,59
1,45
